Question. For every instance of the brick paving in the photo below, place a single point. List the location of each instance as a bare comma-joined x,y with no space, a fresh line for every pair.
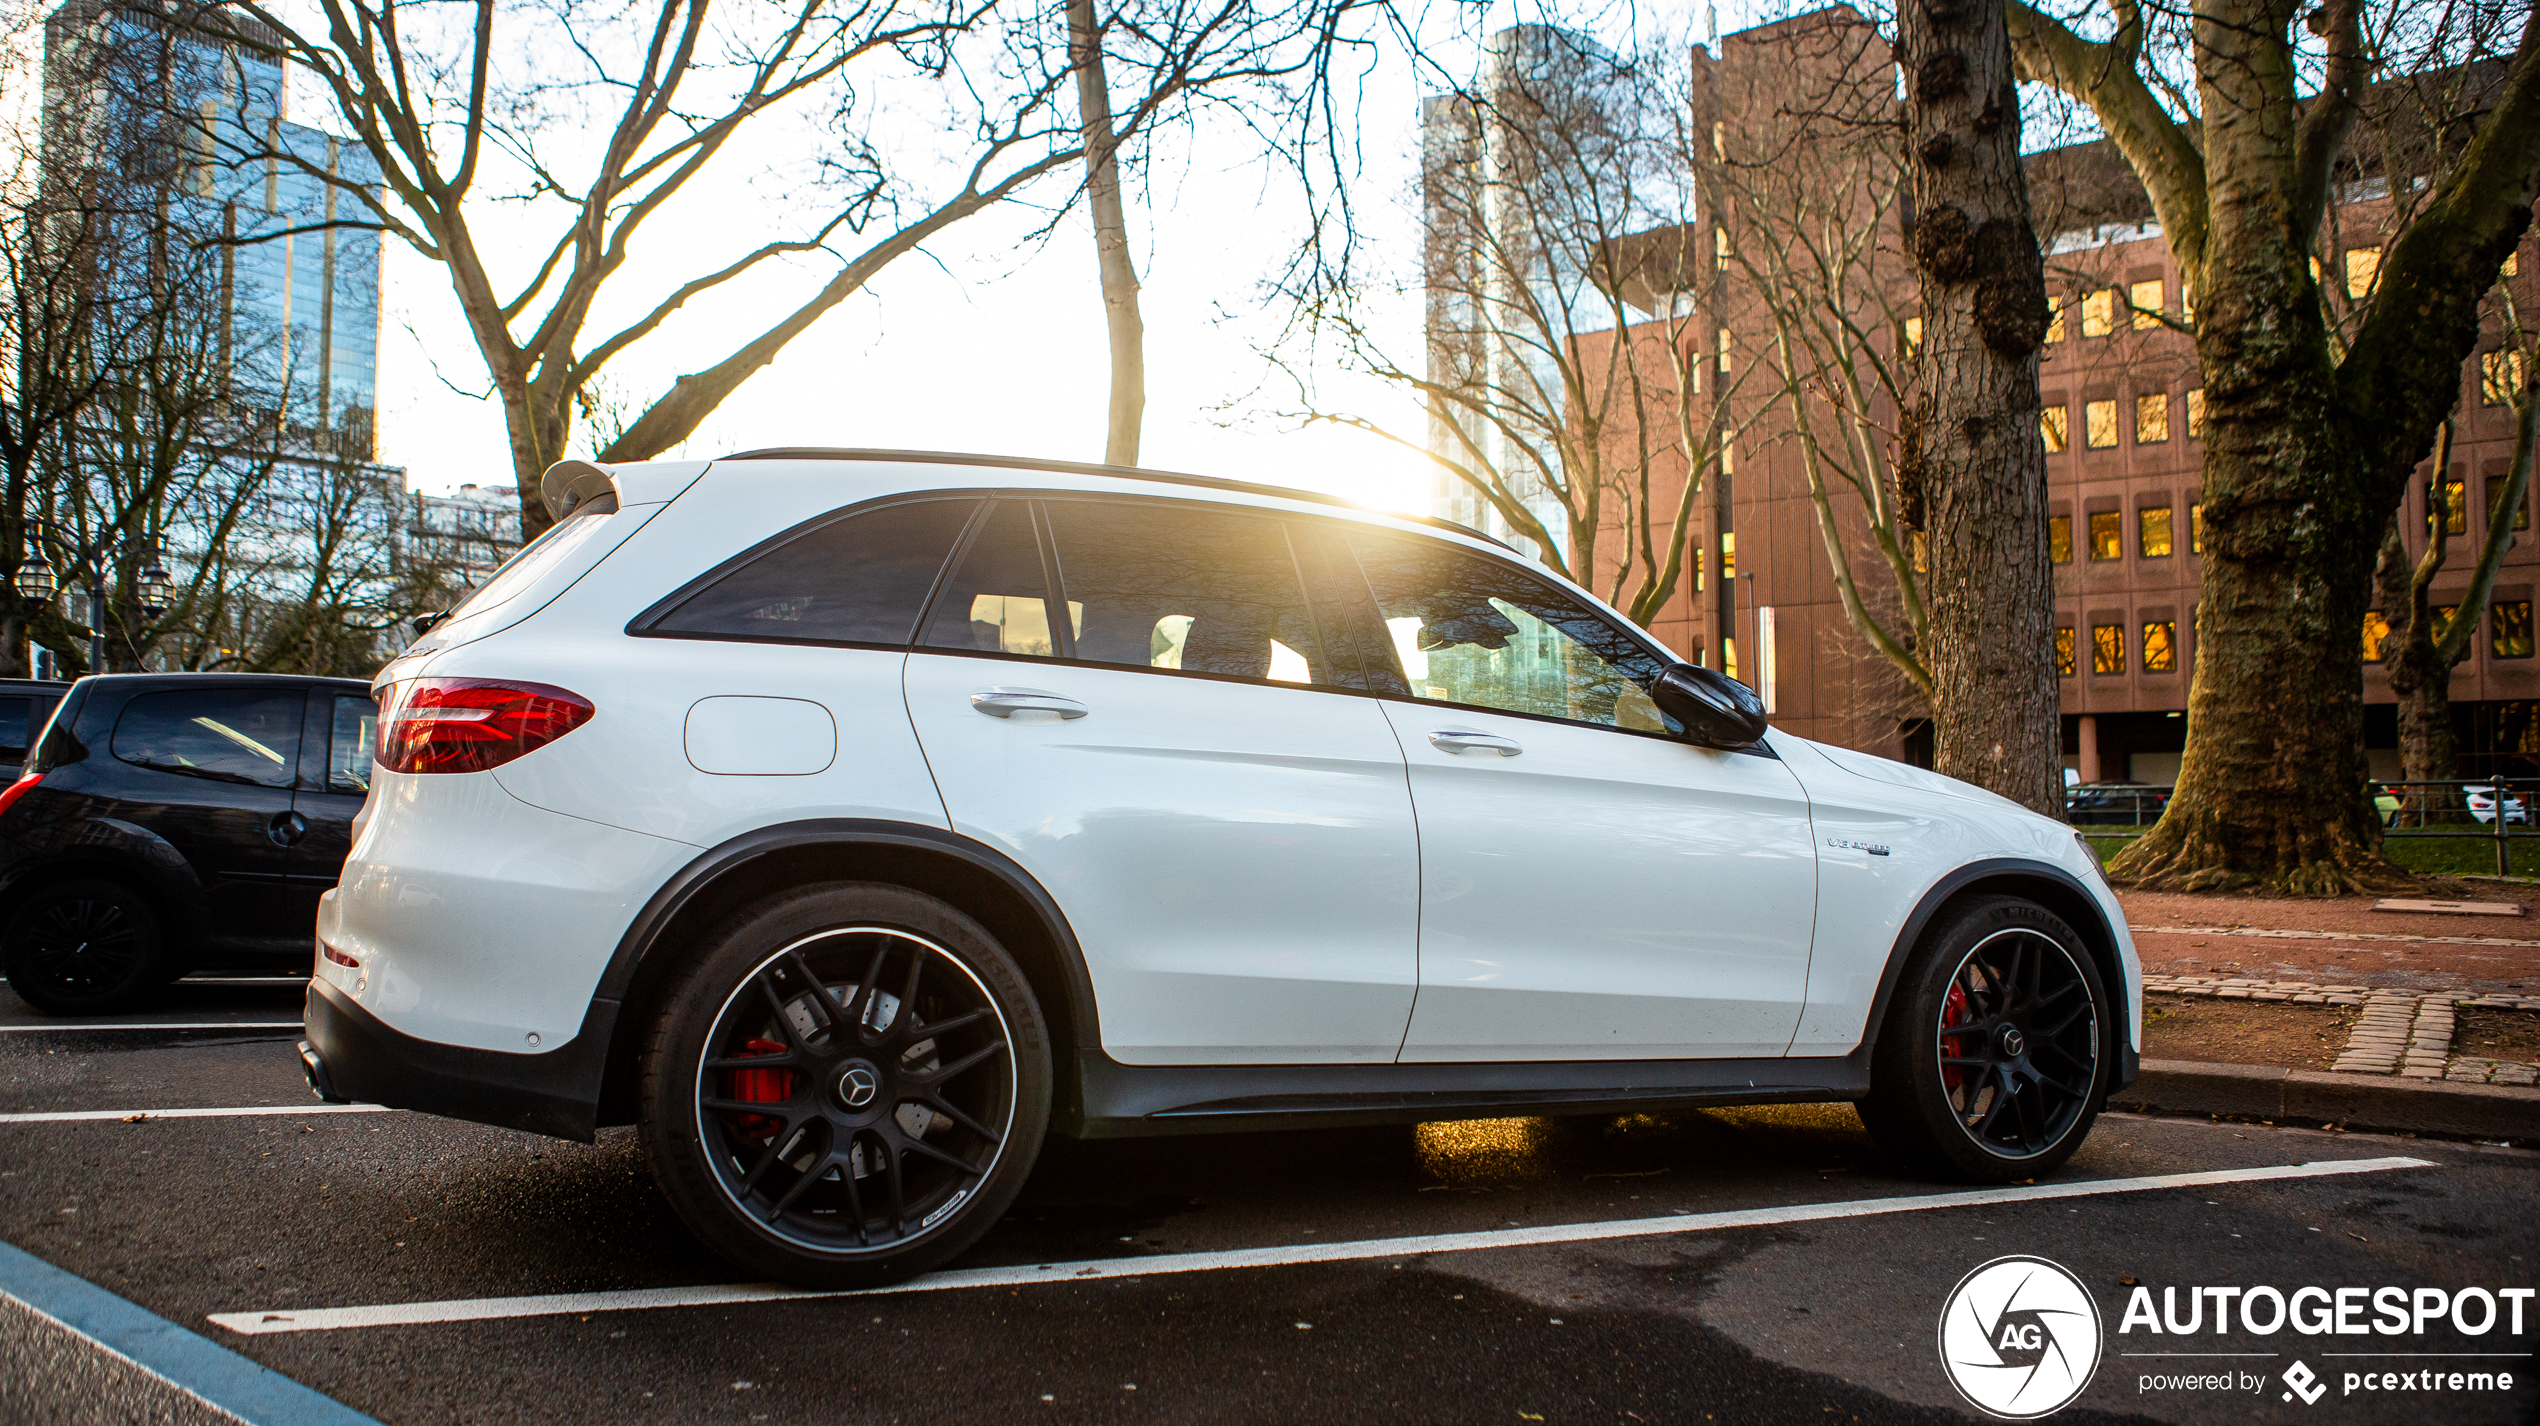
2400,1032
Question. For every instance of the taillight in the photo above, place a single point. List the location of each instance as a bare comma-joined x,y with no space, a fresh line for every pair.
20,788
471,724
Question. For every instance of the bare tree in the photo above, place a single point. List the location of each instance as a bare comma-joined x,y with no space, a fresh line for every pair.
2308,449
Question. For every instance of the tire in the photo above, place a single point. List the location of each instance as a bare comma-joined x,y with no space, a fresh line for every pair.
2014,1091
86,947
858,1137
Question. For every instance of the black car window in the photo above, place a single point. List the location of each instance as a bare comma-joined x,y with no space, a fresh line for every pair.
349,736
1173,587
14,716
1474,630
229,735
860,580
997,600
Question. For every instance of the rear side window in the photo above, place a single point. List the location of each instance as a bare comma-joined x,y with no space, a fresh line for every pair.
860,580
1171,587
998,600
15,715
227,735
350,734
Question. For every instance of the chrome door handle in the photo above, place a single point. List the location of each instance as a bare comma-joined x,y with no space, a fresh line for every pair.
1447,740
1006,702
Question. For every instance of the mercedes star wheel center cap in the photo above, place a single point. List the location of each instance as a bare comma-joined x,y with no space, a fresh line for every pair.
2013,1041
858,1085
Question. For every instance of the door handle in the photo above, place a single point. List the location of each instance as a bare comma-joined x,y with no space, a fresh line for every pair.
1006,702
1447,740
287,828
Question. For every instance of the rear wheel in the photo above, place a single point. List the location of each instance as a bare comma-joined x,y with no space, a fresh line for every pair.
1991,1065
88,947
849,1088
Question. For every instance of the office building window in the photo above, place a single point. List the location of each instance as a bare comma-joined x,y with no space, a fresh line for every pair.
1913,335
2452,497
2099,312
2055,319
1728,554
2152,540
2107,648
2146,298
2196,529
1698,585
1921,544
2363,269
2510,629
2376,630
2160,646
2196,414
1724,349
1720,249
2099,424
2499,376
2059,538
2443,617
2152,419
2107,536
2055,423
2065,654
2522,509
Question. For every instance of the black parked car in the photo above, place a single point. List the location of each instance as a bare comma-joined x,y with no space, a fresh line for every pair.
175,822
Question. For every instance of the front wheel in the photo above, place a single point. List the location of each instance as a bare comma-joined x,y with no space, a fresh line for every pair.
849,1088
1991,1064
87,947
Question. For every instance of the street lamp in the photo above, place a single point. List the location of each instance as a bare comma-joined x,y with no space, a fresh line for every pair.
154,589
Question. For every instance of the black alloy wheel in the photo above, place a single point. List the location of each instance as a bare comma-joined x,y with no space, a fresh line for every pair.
861,1096
88,947
1995,1055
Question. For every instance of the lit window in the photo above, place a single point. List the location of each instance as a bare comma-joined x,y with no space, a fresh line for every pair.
2059,538
2196,414
2512,267
2055,319
2107,648
2376,629
2522,510
2499,376
1697,573
2055,423
1913,335
2152,419
2064,652
2107,535
1724,349
1720,249
2099,312
1922,553
2443,617
2511,630
2315,269
1728,657
2099,424
2146,300
1719,140
2363,269
2152,539
1728,555
2454,499
2160,647
2186,303
1728,457
2196,529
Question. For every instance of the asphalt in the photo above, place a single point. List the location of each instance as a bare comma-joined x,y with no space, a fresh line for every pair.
1825,1319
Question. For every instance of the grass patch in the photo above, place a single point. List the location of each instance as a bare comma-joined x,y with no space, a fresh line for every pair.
2426,856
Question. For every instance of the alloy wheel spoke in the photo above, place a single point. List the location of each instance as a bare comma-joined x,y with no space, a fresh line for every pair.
776,1007
787,1060
868,993
963,1065
855,1196
774,1153
914,1144
820,999
940,1105
935,1028
810,1176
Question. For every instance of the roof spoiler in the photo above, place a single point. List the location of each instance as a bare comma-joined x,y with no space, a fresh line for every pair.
570,484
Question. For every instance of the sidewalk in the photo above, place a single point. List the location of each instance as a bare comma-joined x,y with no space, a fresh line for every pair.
2342,940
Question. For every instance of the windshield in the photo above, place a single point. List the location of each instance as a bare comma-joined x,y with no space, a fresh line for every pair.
538,556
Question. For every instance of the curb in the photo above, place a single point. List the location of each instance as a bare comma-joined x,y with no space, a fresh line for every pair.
2361,1101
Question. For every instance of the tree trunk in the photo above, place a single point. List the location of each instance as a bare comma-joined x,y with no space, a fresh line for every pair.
1111,239
1973,459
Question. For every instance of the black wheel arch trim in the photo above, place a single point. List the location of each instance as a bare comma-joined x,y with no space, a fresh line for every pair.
2097,934
118,850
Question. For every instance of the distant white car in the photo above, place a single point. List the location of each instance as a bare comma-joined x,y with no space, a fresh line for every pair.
2482,806
850,819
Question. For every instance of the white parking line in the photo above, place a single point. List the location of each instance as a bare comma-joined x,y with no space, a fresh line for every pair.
159,1025
136,1116
408,1314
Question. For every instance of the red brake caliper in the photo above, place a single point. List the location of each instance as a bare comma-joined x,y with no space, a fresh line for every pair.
760,1086
1952,1046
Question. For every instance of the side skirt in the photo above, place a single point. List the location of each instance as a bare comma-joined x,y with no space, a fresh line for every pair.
1123,1101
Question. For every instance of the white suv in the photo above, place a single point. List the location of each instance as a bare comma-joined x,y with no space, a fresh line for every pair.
848,819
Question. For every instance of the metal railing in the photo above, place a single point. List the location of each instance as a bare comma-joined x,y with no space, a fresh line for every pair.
2497,810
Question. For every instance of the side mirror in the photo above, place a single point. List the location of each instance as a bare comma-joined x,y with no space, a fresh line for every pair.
1714,709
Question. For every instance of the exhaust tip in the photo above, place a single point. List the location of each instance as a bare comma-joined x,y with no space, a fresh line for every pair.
313,1069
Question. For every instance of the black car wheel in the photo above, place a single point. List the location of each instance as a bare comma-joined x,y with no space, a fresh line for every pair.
1993,1060
849,1087
89,947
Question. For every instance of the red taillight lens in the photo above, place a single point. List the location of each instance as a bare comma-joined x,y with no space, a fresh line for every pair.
471,724
20,788
338,957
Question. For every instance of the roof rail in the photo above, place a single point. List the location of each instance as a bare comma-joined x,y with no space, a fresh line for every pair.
1124,472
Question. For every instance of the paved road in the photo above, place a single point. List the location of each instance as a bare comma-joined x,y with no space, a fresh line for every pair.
1820,1318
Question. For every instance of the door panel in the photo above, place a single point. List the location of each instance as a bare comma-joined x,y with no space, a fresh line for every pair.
1232,845
1591,888
334,782
211,771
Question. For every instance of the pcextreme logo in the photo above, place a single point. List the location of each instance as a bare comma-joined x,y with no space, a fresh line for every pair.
2019,1338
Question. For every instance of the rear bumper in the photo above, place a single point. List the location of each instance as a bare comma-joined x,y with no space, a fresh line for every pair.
350,1055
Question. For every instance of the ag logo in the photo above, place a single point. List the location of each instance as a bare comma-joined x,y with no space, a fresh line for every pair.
2019,1338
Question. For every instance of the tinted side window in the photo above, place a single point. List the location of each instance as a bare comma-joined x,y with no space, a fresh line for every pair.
15,714
228,735
861,580
1469,629
997,601
350,735
1171,587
